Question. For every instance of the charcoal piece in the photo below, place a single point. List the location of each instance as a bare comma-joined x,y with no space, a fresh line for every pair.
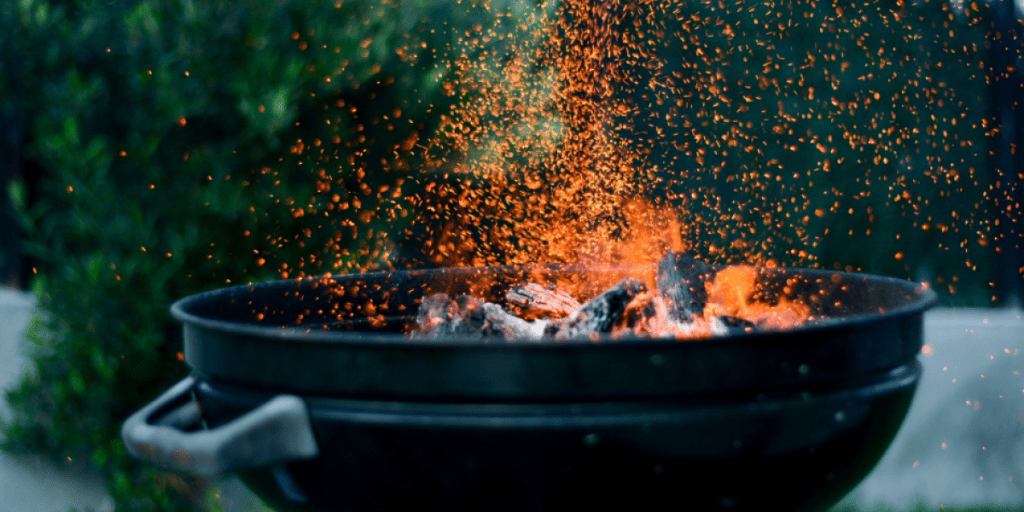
502,323
680,284
728,324
601,313
469,315
535,297
555,329
439,315
432,318
638,315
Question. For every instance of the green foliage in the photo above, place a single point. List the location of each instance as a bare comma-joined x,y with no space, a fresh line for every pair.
171,145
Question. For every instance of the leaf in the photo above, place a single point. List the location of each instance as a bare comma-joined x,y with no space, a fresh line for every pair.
143,20
99,457
100,364
279,102
69,133
95,267
16,194
121,482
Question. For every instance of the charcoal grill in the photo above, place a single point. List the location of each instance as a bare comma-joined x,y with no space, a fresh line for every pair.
310,391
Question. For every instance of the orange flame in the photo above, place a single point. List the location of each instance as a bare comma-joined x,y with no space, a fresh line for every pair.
733,292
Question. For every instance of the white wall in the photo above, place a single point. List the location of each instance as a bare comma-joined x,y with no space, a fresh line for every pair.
29,483
971,397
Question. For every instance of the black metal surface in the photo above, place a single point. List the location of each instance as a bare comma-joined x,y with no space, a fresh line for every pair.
321,337
802,451
764,420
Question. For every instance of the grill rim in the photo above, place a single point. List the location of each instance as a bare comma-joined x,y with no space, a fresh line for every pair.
391,367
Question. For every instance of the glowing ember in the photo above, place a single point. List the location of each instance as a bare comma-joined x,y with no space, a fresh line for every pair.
764,133
691,301
709,116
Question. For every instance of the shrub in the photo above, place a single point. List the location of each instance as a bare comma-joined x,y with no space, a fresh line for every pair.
173,146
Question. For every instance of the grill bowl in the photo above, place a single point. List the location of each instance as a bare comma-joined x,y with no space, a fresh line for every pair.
774,420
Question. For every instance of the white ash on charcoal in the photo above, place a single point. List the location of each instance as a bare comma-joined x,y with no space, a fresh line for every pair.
543,300
467,316
441,315
626,309
599,315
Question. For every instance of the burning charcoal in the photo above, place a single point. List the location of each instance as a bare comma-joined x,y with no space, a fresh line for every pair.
601,313
533,296
432,316
728,324
439,315
638,314
502,323
678,309
680,284
469,317
553,327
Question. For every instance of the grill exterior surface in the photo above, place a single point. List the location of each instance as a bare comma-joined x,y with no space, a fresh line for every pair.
779,420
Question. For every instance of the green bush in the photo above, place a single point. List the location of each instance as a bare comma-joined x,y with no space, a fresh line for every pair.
174,146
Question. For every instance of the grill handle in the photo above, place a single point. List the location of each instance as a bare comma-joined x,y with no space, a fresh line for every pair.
167,433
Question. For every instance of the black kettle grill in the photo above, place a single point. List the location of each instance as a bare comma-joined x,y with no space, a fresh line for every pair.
310,391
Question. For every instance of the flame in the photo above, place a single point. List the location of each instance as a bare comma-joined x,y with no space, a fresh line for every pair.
662,326
734,292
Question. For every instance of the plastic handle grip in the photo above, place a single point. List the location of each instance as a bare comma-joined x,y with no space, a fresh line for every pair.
277,431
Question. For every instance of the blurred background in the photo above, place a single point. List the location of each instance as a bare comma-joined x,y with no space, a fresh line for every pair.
151,149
